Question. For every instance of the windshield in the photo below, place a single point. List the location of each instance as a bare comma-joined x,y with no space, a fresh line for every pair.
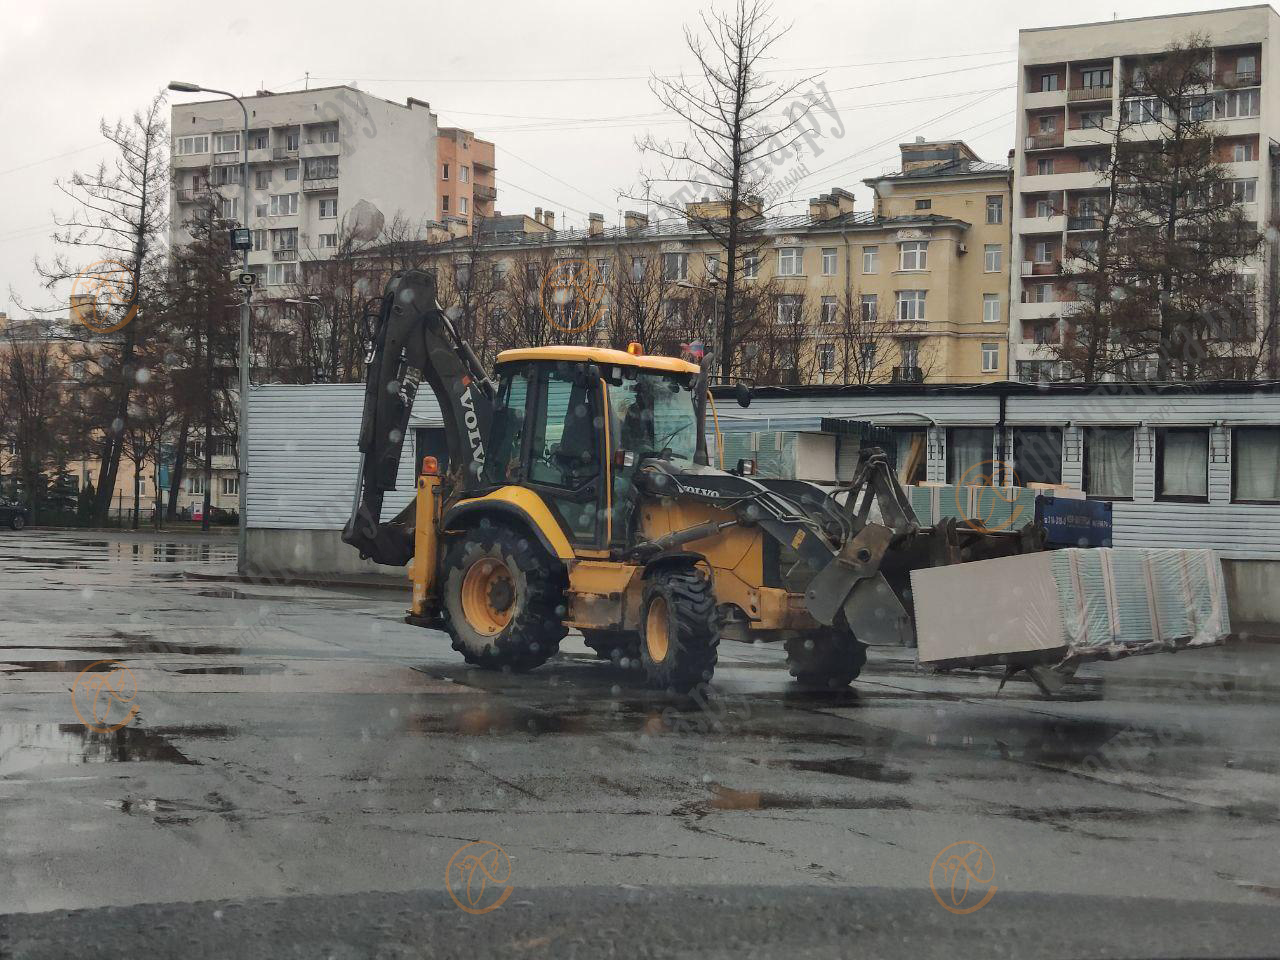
653,414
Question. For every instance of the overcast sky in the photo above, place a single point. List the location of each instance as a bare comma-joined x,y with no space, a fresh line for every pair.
560,86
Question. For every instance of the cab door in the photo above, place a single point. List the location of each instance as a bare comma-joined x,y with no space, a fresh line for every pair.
565,449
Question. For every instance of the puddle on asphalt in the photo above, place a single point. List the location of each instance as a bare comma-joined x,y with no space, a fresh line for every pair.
233,671
859,768
728,798
27,746
56,666
116,552
169,813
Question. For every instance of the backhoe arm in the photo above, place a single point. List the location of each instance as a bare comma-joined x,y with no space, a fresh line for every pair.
414,341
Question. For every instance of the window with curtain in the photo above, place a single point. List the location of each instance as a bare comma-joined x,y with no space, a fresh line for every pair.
1037,454
1182,464
1108,462
1255,464
969,454
910,451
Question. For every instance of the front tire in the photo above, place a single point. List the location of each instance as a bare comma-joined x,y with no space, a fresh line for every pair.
680,629
18,521
503,598
829,660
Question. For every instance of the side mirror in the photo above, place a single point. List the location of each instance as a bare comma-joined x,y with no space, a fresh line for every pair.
743,395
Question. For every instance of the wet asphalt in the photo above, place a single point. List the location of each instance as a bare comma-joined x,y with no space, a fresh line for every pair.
301,767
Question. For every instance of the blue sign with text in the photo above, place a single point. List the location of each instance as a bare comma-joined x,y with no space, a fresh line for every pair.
1075,523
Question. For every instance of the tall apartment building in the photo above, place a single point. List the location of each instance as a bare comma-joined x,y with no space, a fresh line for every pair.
321,162
1071,91
466,169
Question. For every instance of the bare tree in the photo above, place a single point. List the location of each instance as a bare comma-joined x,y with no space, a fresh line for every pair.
636,299
725,159
31,391
119,220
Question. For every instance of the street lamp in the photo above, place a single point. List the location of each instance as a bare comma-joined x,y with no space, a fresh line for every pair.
242,538
311,301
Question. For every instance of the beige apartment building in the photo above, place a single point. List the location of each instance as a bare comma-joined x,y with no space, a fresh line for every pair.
913,289
1072,89
466,185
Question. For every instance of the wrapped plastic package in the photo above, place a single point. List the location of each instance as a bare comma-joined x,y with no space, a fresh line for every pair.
1073,604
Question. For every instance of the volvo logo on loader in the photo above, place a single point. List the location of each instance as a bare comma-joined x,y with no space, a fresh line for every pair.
472,423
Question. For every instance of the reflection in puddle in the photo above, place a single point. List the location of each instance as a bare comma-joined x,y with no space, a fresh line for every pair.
234,671
28,746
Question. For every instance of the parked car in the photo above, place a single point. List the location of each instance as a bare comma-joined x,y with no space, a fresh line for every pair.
14,514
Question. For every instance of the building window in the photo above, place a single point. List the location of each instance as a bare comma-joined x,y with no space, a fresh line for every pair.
328,209
1048,82
1108,462
991,308
828,261
1246,64
230,486
281,274
462,205
1092,119
1047,123
321,168
328,240
990,357
826,357
637,268
789,308
675,266
910,353
913,255
259,240
1095,77
192,145
1237,103
924,204
262,179
867,359
1243,191
829,308
1255,464
229,208
969,455
1044,166
444,203
1037,455
292,141
226,142
1182,464
1244,152
870,259
284,204
909,445
711,264
286,239
444,172
995,209
328,134
602,268
1042,251
750,266
195,482
911,304
464,174
1041,293
1044,207
991,257
869,307
790,262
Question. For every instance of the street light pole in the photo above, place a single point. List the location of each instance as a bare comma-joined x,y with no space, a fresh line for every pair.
242,446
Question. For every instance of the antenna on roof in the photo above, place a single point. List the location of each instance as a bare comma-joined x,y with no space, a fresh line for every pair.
306,82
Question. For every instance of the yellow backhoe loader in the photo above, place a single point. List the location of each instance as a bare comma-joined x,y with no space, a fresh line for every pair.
579,493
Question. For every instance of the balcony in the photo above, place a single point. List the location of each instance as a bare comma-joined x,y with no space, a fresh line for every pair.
1053,223
285,255
908,375
1043,141
284,153
484,193
319,184
1039,99
1041,334
1086,94
321,148
1085,222
1047,268
228,159
186,195
1243,78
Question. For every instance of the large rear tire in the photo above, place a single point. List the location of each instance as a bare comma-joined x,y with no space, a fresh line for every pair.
503,598
679,629
829,660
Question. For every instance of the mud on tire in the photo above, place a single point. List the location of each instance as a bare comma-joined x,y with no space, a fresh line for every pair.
614,645
829,660
680,629
503,598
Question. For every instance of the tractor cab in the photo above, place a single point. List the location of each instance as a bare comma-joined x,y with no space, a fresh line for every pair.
574,423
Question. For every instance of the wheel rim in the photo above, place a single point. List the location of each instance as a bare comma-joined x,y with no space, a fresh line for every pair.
657,630
488,596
